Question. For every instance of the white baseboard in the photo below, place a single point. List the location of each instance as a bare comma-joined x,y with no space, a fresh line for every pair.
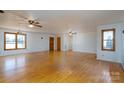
23,52
90,52
109,60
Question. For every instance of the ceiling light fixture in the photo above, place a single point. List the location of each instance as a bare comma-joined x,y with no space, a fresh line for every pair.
31,25
70,33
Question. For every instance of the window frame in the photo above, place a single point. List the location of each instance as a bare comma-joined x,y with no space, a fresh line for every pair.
16,40
102,39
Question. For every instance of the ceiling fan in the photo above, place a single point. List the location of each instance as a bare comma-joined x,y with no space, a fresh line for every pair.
33,23
30,23
71,33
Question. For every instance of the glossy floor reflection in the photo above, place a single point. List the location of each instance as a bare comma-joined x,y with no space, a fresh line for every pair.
58,67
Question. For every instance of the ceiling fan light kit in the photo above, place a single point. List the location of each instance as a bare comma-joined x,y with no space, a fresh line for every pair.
70,33
33,23
30,25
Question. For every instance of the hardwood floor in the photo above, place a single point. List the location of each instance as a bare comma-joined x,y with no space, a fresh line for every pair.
58,67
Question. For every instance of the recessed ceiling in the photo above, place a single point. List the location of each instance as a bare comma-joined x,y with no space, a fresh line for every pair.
58,21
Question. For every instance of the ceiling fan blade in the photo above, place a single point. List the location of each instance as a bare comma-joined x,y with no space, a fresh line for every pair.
37,25
74,33
1,11
30,22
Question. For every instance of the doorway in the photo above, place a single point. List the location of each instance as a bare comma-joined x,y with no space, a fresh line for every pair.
70,43
58,44
51,43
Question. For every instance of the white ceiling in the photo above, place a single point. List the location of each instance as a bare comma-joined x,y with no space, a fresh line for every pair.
61,21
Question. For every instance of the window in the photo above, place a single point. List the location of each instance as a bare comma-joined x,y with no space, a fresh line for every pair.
10,41
108,39
21,41
13,41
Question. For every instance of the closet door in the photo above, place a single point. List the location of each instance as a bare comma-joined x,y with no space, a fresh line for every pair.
51,44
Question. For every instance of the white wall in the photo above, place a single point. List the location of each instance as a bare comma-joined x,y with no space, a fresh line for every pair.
123,48
34,42
122,45
114,56
64,44
84,42
70,44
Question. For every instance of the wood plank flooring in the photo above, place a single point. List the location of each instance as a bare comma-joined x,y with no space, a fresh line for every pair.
62,67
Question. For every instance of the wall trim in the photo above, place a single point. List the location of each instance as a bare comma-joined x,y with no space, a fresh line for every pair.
89,52
109,60
24,52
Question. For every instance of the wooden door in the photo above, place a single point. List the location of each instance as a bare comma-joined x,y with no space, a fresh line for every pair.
51,44
58,44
